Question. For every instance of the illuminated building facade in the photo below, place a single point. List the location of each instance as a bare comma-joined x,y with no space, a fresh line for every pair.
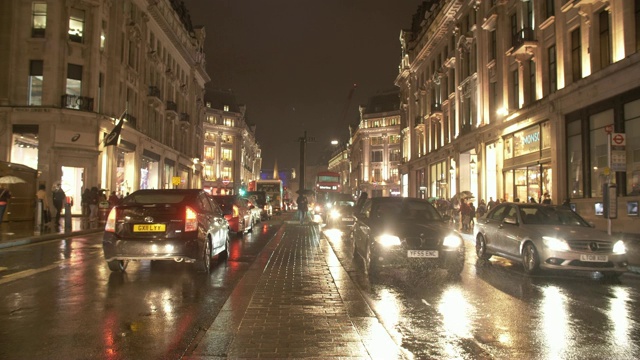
68,72
232,157
513,99
376,147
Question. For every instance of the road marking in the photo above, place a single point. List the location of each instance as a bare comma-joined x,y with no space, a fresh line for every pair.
25,273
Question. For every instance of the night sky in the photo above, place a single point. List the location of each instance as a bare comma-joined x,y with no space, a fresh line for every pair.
293,63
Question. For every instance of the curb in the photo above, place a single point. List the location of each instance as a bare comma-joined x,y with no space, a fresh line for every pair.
40,238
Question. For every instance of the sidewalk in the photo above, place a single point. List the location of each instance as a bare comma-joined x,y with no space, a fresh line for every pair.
17,233
296,301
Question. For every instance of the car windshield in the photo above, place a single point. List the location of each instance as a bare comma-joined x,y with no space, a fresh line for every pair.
417,211
225,202
549,215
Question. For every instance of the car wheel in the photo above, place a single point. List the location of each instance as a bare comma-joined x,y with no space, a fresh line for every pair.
118,265
530,259
204,263
224,255
370,266
481,248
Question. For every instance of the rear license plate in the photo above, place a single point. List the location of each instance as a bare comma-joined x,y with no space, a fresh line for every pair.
347,219
149,227
594,258
422,253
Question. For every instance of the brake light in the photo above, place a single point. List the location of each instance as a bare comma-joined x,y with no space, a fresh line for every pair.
236,211
110,226
190,219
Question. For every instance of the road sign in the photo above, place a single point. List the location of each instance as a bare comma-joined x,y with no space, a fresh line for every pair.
618,139
608,129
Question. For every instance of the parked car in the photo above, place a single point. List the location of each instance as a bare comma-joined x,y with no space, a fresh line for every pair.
548,237
341,214
177,224
405,232
266,210
256,212
237,211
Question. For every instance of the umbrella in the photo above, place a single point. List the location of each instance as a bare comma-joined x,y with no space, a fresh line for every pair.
465,194
9,179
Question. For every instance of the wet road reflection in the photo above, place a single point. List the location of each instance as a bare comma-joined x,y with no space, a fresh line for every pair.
58,300
496,311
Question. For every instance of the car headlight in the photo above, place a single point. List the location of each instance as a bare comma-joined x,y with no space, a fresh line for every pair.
388,240
555,243
452,241
328,205
335,214
318,208
619,248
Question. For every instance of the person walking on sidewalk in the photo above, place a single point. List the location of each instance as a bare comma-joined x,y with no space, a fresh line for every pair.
303,207
5,195
41,196
59,198
94,199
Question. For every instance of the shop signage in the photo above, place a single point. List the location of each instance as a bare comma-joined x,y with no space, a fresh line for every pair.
175,180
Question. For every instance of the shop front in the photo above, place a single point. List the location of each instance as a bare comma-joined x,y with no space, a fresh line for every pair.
125,168
527,167
149,170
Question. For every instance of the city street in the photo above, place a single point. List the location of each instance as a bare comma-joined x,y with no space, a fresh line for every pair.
58,300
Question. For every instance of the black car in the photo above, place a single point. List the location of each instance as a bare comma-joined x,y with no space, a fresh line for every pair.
173,224
405,232
341,214
260,198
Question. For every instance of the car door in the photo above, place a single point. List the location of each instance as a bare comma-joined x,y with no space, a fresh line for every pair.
508,236
492,225
219,226
361,228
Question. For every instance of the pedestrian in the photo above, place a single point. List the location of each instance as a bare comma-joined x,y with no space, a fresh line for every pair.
465,211
84,202
455,213
532,200
41,196
491,203
482,208
472,216
113,199
303,207
547,199
94,199
5,195
59,198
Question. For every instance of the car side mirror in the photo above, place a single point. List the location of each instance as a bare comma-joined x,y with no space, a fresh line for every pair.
511,220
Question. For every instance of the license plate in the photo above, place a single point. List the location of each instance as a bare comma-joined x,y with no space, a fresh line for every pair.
347,219
422,253
149,228
594,258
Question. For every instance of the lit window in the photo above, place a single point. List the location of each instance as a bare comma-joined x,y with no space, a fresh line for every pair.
227,154
228,122
76,25
35,83
38,19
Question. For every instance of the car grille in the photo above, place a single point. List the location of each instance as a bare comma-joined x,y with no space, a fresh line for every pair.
591,246
602,265
425,243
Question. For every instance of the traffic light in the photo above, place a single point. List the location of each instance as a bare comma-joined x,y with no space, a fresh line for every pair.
242,191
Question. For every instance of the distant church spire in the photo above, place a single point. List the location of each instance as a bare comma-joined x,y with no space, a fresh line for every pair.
276,176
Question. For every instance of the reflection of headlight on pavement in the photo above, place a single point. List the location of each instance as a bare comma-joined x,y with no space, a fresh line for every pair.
388,240
452,241
335,214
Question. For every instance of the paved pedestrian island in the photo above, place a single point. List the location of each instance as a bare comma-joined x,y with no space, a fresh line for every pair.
296,301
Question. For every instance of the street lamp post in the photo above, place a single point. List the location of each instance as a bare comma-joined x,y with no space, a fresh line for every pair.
303,145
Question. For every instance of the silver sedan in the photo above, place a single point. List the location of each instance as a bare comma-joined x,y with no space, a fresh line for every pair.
548,237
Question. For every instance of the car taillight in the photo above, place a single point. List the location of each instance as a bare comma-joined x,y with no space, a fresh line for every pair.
190,219
110,226
236,211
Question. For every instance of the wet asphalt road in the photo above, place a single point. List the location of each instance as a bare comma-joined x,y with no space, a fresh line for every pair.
58,300
495,311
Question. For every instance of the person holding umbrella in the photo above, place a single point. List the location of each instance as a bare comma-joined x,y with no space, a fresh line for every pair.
5,195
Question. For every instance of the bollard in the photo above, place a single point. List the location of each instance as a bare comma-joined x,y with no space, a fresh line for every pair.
67,217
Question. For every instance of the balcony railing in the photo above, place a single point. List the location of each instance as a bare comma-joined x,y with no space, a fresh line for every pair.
184,117
171,106
154,91
82,103
524,35
131,120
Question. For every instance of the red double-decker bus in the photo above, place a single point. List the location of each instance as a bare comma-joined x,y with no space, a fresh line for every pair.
327,186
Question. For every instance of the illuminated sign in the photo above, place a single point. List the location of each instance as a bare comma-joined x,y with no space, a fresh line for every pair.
328,187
